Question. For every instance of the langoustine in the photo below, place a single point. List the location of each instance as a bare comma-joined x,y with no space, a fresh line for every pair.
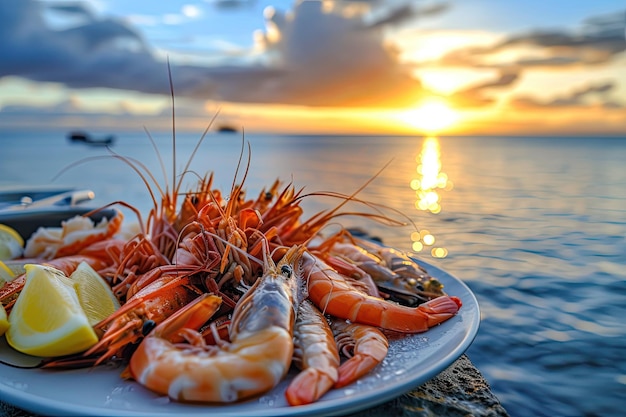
334,295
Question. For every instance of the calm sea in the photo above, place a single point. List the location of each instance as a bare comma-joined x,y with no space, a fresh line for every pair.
535,226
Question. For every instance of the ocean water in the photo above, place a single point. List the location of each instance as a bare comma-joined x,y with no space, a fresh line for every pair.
536,227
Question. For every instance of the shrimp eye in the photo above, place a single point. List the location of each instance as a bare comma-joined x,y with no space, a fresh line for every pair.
286,270
147,327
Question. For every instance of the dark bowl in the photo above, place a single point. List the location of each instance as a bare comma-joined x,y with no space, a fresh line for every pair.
27,221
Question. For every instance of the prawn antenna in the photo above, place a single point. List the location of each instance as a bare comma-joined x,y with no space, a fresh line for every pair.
169,74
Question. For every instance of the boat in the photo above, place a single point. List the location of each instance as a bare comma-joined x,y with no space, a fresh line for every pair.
227,129
83,137
26,208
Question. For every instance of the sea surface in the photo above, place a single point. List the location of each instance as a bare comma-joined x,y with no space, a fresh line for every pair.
535,226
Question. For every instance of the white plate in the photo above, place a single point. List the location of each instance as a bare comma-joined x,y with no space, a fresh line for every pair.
411,361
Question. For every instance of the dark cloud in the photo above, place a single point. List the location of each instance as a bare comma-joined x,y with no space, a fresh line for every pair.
606,23
73,8
95,53
103,53
232,4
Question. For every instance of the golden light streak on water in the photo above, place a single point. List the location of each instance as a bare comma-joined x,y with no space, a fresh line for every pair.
430,179
428,184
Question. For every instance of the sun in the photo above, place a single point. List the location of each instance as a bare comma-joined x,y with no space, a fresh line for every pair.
432,116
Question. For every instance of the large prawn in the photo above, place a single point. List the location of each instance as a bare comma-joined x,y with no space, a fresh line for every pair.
395,275
257,357
315,354
334,295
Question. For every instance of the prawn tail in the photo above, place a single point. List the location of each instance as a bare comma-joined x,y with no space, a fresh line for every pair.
365,346
440,309
354,368
309,385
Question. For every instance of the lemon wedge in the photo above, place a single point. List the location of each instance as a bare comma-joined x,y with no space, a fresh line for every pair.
47,318
11,243
4,322
94,293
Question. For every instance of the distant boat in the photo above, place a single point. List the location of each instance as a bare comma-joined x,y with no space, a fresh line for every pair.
82,137
227,129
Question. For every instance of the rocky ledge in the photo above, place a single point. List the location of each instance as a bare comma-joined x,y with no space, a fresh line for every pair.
459,391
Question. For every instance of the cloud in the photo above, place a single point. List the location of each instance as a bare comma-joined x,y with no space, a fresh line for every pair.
579,97
309,56
98,53
67,114
94,49
406,12
77,9
599,40
476,95
231,4
328,59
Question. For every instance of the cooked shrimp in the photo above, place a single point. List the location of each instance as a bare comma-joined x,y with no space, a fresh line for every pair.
332,293
315,353
397,276
364,345
257,357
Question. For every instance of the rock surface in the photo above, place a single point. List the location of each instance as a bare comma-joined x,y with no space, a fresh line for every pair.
458,391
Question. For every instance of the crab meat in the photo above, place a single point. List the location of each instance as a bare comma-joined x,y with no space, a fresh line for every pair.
74,235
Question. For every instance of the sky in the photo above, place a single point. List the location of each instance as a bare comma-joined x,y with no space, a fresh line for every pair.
462,67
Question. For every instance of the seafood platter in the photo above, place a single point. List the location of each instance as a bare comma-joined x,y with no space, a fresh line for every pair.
223,305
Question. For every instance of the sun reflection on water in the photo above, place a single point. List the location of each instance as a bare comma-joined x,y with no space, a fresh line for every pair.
429,182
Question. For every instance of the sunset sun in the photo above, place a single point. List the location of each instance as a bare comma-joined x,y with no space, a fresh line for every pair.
431,116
